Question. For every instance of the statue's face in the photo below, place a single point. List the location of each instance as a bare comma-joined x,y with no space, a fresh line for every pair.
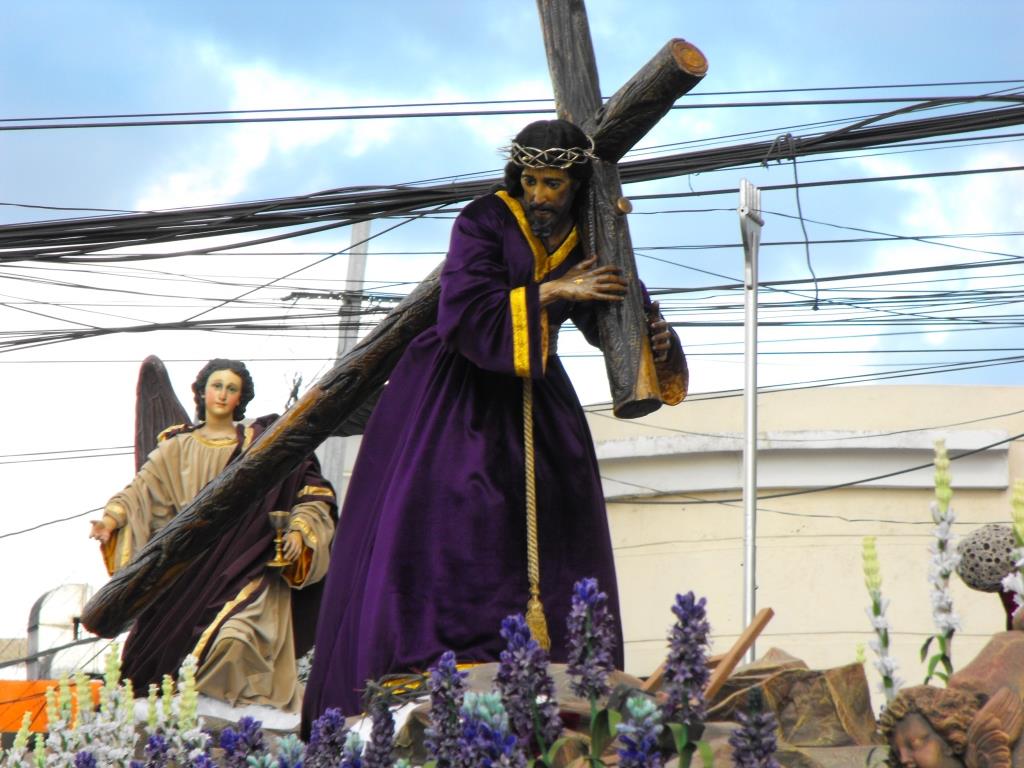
917,745
547,198
222,394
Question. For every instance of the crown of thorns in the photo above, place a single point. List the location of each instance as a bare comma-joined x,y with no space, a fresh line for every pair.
553,157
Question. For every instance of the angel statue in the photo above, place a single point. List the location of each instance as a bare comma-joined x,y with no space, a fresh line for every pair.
928,727
244,622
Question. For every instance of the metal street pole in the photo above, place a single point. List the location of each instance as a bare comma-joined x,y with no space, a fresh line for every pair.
750,227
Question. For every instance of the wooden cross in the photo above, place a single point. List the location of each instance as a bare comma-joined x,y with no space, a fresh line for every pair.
616,127
342,393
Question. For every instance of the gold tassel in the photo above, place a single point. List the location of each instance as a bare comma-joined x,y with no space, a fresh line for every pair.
537,623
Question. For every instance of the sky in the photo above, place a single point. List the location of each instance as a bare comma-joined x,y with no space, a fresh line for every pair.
68,415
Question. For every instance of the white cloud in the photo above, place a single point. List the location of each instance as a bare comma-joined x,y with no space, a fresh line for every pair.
951,205
223,171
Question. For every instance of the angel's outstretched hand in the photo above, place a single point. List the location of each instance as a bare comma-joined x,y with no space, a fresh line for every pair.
99,531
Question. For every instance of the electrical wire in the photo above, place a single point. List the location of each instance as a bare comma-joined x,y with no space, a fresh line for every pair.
50,522
16,125
480,102
79,237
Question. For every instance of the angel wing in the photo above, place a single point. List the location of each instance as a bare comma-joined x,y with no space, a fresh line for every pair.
156,407
995,729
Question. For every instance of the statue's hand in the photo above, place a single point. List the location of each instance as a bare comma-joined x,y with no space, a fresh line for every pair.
292,547
661,336
586,282
99,531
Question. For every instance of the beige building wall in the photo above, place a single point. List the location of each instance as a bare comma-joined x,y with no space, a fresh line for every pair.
809,545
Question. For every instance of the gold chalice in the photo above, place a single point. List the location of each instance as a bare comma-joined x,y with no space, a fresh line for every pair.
279,522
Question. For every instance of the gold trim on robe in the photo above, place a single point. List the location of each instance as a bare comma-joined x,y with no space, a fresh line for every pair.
543,264
520,331
169,432
120,541
244,594
215,442
117,513
314,490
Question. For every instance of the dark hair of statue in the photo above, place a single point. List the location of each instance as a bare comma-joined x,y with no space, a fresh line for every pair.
545,134
238,368
949,712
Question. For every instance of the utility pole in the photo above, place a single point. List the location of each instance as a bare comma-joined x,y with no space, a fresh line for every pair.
750,227
332,452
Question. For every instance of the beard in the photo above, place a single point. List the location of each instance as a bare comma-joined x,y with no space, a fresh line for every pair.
542,226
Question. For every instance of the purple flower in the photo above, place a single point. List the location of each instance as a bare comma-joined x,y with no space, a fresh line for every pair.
203,760
239,745
447,688
85,759
379,749
351,754
326,740
686,670
639,734
753,743
485,741
156,751
591,641
526,686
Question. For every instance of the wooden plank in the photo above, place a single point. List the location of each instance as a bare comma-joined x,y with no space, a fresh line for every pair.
734,654
648,96
721,664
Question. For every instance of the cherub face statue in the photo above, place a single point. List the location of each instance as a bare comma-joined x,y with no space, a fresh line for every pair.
222,394
917,745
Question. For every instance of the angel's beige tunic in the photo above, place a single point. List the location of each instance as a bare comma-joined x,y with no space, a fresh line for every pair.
251,658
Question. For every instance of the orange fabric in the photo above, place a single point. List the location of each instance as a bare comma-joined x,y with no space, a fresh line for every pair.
20,696
109,550
297,573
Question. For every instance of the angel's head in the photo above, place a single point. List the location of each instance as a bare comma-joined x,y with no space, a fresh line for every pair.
927,726
238,368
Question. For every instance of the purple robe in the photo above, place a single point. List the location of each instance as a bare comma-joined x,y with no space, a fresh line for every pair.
430,553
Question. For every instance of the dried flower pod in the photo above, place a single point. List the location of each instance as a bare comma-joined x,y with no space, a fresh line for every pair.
986,557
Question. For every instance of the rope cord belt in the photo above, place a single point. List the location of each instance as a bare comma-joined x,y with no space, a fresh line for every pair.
534,609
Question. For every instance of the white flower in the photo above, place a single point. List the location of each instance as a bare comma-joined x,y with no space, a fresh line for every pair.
879,622
1013,582
890,690
946,622
886,666
944,531
942,600
944,562
1018,553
